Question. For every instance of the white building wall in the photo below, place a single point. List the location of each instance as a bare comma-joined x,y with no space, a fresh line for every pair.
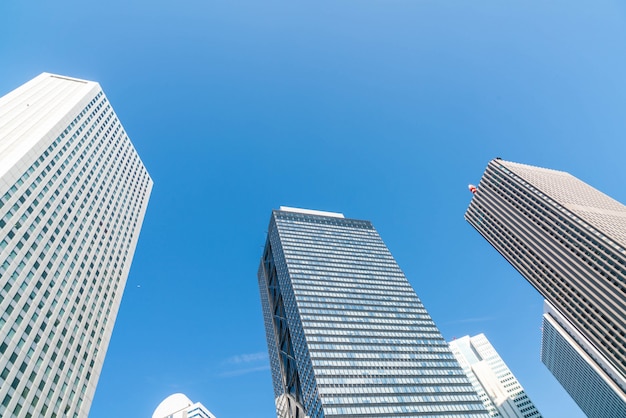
179,405
73,194
497,387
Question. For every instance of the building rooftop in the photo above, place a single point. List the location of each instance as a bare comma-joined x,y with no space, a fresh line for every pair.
38,108
312,212
599,211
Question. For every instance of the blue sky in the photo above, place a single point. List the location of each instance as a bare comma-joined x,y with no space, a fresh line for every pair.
382,110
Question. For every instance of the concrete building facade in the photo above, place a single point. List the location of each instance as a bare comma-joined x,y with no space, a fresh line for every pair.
73,194
179,405
569,241
501,392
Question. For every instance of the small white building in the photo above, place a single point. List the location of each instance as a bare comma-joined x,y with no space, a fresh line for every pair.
496,386
180,406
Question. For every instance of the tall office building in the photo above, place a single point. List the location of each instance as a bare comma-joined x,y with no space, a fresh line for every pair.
346,333
73,193
180,406
569,241
497,387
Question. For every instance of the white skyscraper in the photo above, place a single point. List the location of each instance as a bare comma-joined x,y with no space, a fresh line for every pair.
180,406
73,194
499,390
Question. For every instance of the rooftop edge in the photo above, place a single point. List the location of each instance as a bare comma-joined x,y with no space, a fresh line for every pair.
312,212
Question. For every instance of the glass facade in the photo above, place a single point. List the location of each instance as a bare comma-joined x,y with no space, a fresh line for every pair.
73,193
347,335
566,354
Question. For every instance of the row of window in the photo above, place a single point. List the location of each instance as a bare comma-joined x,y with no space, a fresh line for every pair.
97,250
581,308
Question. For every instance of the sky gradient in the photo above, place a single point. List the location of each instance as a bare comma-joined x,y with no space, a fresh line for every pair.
381,110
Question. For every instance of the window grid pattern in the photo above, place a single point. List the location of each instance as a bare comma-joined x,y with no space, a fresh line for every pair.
570,368
494,382
363,344
581,271
603,212
68,228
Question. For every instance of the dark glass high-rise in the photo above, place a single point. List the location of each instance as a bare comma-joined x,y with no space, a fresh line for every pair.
346,333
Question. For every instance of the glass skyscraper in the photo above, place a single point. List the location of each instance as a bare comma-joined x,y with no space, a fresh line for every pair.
569,241
347,335
73,194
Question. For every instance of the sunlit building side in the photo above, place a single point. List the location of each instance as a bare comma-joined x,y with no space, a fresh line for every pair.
73,194
498,388
347,335
179,405
569,241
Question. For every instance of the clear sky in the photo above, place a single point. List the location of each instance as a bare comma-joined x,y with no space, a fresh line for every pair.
383,110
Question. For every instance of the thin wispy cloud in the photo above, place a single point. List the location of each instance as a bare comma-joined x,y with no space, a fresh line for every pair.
239,372
246,363
247,358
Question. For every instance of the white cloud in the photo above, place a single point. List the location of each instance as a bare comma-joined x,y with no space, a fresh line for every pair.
239,372
245,363
247,358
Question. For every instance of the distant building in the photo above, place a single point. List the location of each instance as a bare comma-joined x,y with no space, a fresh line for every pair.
346,333
73,194
566,354
180,406
569,241
500,391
